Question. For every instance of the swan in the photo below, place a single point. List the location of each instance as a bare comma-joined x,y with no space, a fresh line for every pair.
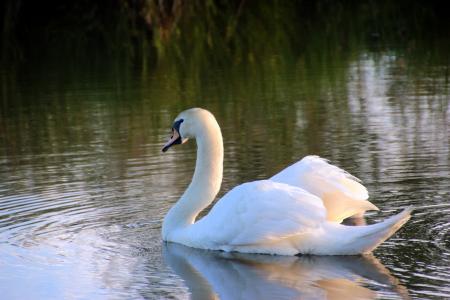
297,211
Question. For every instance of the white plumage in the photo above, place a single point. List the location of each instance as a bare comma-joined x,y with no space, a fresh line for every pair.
299,210
341,193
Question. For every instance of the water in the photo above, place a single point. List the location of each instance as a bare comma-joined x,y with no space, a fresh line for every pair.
84,186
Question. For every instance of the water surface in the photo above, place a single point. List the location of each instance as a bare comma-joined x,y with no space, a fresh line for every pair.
84,186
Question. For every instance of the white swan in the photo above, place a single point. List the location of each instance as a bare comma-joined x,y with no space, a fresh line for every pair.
296,211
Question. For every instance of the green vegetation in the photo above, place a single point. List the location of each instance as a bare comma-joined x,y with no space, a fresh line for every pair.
188,32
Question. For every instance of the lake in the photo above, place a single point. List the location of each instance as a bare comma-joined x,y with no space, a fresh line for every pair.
84,185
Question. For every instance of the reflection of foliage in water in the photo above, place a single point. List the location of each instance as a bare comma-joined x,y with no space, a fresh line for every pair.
239,56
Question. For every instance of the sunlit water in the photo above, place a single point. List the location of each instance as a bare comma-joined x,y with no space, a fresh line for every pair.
84,186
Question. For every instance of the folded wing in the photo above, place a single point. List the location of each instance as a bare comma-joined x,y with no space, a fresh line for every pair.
261,213
342,194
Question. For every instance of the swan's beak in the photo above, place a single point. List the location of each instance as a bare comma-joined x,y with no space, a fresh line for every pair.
175,139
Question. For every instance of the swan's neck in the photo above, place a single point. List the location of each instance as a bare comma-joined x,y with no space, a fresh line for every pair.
205,183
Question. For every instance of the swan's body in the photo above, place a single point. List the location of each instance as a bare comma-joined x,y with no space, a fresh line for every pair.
296,211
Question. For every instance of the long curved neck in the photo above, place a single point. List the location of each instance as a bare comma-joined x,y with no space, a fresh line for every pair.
205,183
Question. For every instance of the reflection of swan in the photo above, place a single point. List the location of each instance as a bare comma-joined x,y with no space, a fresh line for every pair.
296,211
213,274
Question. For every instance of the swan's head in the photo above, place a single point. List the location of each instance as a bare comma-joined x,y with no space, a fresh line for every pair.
189,124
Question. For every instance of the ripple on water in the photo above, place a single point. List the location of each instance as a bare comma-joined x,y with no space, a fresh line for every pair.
420,255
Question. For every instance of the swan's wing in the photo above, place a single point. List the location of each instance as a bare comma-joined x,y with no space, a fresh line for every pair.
341,193
261,212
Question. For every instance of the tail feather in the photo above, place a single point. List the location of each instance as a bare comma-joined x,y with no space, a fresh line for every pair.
363,239
378,233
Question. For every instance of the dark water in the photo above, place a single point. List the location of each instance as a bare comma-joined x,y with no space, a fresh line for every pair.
84,186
